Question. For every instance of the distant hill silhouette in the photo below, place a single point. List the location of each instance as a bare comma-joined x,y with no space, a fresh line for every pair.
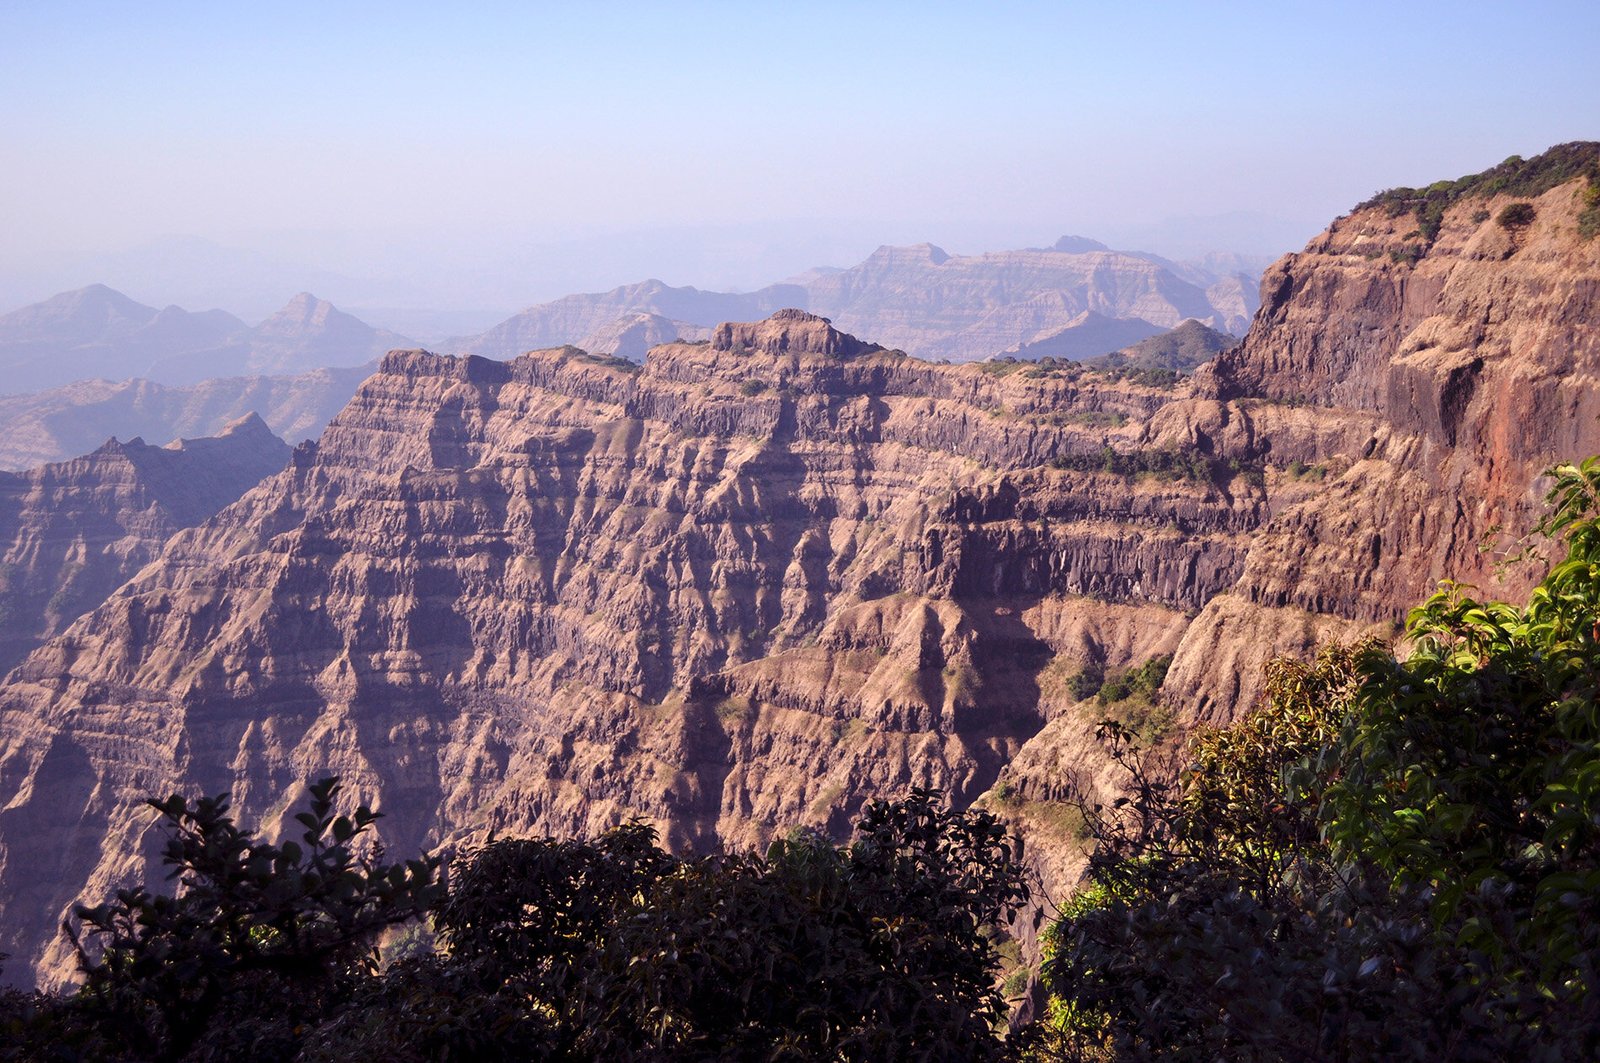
927,302
97,332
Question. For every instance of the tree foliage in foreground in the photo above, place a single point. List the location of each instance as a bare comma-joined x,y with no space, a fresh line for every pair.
880,949
1395,860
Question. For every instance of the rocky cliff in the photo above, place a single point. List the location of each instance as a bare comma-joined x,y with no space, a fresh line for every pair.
1419,364
745,586
765,577
72,532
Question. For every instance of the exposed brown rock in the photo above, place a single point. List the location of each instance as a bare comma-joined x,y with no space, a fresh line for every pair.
732,591
72,532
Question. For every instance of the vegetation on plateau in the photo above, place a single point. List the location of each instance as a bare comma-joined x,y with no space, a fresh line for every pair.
1516,176
1161,463
1159,377
1178,351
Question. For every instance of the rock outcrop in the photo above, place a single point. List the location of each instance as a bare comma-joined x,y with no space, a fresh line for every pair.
761,579
72,532
1423,381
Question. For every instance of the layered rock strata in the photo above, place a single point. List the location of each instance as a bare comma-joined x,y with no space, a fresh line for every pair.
745,587
72,532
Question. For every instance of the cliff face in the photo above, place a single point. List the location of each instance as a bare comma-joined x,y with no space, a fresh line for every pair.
748,586
1428,382
767,577
72,532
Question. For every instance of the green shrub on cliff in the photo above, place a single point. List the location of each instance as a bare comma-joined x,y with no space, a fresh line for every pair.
1386,860
260,940
1515,215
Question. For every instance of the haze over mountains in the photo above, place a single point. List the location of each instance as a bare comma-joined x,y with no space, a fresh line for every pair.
96,332
931,304
73,419
92,363
919,299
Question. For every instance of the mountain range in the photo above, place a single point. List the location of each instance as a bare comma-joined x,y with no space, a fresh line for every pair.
58,423
1075,299
96,332
92,363
771,574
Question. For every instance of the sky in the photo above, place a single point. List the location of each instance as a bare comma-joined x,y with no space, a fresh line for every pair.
429,158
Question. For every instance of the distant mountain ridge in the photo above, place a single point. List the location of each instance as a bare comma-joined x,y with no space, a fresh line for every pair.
97,332
72,531
927,302
60,423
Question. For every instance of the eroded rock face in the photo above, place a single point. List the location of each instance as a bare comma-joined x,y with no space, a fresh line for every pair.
1431,386
762,579
74,531
746,587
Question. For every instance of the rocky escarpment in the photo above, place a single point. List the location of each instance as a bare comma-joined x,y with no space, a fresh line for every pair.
763,578
746,586
1419,365
72,532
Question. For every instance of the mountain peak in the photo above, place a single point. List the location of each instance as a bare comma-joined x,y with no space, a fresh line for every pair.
250,424
893,254
95,299
303,307
789,331
1078,245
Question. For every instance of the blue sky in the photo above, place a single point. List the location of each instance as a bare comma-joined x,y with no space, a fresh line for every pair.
344,135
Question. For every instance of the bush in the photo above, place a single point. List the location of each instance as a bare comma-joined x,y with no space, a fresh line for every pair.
884,948
1086,684
613,949
1515,215
260,938
1385,860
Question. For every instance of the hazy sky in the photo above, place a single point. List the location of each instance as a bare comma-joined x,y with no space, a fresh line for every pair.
684,140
